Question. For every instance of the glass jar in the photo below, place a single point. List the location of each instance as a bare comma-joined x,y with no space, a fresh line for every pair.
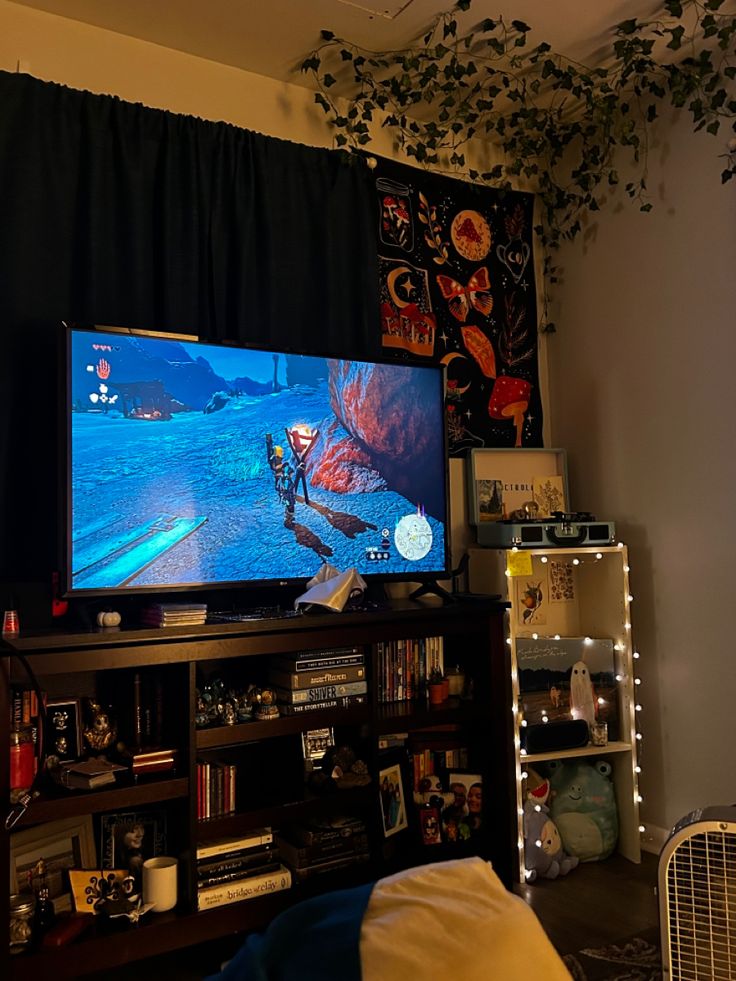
22,908
21,758
456,677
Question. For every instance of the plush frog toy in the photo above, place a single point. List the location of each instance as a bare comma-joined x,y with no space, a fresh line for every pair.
583,806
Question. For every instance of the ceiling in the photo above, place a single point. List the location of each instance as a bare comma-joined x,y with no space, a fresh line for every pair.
272,37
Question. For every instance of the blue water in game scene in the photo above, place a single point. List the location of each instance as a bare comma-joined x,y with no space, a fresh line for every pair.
195,464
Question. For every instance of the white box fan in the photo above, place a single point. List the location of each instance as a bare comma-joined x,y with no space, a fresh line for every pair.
697,897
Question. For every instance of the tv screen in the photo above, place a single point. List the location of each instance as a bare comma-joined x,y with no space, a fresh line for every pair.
195,465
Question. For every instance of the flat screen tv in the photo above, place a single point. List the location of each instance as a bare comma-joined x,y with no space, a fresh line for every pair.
194,465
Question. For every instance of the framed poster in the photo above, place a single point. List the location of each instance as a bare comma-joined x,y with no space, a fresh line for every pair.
573,677
45,855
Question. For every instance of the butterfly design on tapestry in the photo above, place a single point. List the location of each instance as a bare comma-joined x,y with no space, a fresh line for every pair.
461,299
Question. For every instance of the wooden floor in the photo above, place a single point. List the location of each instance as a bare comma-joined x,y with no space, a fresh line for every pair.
597,903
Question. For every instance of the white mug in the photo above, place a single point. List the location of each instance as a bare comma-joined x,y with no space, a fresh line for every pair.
159,883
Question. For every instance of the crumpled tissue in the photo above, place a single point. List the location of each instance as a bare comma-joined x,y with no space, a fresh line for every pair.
331,588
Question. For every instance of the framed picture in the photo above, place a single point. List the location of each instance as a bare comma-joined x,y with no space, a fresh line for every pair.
64,721
393,802
52,850
463,818
569,678
129,838
429,825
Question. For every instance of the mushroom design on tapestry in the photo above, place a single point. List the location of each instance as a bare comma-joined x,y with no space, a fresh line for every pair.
510,400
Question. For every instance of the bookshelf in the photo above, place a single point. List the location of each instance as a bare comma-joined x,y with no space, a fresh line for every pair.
597,605
99,659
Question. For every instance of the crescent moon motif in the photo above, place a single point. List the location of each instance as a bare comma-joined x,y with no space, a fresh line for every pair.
451,357
391,285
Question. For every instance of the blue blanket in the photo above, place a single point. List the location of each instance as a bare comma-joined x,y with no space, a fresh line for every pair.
316,940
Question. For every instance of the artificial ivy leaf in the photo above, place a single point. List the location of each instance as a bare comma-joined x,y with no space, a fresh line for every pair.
341,139
713,127
473,174
646,207
626,26
328,80
673,8
463,4
726,175
449,29
676,37
520,26
346,55
487,25
327,35
322,101
311,64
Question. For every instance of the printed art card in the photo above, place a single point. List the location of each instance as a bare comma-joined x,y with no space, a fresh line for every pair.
561,582
546,683
530,600
490,500
548,494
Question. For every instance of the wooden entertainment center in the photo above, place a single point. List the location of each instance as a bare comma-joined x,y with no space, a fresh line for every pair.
100,662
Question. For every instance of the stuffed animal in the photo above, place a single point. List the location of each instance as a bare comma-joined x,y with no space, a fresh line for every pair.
543,852
583,806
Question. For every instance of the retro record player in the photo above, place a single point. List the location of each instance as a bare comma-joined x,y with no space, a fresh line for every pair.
561,529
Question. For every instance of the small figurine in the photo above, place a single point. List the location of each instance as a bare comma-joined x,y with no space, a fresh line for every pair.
101,733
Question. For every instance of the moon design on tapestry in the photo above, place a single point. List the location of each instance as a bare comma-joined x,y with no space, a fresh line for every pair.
582,698
471,235
514,256
392,286
453,389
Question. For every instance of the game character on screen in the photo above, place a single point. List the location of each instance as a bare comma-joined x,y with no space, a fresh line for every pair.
301,440
283,477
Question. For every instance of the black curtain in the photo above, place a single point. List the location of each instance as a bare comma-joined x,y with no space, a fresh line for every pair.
113,213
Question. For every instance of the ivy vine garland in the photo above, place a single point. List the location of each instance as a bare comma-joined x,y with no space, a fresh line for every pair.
559,124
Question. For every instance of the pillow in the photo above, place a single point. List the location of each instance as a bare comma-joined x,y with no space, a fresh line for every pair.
447,919
453,919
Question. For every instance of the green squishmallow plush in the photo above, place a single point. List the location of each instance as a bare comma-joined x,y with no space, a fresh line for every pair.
583,806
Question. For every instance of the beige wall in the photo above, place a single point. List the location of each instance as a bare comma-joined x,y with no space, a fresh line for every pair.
642,384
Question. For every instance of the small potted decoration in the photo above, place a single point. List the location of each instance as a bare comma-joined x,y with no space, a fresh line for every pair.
438,687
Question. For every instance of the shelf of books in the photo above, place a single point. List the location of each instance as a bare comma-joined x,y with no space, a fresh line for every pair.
270,769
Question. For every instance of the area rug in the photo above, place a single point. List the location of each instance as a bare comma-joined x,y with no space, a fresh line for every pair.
636,959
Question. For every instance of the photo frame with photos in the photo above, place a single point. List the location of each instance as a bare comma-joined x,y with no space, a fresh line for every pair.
64,729
62,845
129,838
430,825
463,818
392,798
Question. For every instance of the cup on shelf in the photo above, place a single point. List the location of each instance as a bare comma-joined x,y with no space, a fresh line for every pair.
159,882
599,734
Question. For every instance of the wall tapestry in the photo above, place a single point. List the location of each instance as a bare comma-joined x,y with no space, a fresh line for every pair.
457,288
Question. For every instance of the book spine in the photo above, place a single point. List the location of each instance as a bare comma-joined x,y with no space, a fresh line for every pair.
322,850
219,864
237,874
346,701
318,655
239,890
321,694
235,846
319,663
300,680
